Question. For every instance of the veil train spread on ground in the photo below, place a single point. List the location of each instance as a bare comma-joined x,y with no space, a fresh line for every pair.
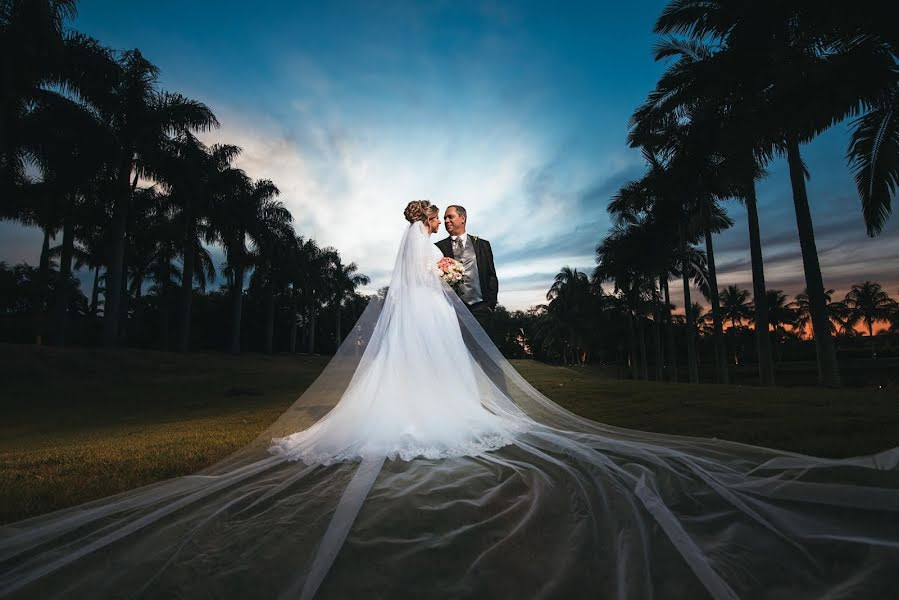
568,508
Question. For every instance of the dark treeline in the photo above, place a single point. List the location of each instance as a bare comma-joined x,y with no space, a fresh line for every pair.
109,167
747,82
636,331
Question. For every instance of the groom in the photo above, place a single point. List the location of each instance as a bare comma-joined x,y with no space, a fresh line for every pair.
480,286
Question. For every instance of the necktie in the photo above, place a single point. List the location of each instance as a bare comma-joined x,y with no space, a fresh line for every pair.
457,247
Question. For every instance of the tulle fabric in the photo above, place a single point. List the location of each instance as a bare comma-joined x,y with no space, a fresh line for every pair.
570,508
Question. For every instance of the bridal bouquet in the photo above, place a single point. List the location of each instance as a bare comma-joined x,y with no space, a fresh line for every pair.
451,271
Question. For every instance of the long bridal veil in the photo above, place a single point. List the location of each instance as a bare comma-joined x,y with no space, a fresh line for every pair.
569,508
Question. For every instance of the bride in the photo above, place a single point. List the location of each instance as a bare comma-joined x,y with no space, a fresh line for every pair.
415,393
421,464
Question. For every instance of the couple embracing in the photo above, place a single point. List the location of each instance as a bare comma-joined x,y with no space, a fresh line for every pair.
479,286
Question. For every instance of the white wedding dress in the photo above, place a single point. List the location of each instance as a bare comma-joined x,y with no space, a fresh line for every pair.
421,464
415,394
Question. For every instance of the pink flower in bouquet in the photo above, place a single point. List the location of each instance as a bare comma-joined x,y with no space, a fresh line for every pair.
451,271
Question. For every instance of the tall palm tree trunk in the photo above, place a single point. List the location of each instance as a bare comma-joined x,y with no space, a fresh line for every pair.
115,268
138,306
632,344
236,306
824,344
870,324
759,293
669,327
721,373
164,309
63,292
310,325
692,366
40,290
641,334
777,348
733,340
337,332
95,291
311,338
269,333
187,286
657,332
123,305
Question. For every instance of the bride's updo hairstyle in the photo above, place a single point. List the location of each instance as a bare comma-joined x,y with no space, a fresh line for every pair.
419,210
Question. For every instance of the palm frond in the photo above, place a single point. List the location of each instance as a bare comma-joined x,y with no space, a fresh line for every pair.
686,49
873,156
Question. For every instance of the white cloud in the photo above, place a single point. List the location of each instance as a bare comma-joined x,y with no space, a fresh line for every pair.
348,189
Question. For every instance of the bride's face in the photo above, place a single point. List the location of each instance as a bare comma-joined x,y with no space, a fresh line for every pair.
433,224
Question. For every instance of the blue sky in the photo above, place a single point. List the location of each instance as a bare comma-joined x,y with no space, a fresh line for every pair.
518,111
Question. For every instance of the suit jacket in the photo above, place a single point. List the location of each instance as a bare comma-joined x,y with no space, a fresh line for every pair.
486,269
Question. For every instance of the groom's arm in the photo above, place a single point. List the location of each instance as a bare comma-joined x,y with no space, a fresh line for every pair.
491,279
445,247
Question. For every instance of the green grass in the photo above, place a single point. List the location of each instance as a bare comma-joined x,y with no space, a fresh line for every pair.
80,424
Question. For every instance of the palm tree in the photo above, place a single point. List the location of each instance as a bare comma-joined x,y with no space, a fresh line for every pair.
140,118
702,81
735,308
92,251
714,220
796,52
71,157
245,210
315,266
869,303
346,280
195,177
835,311
40,203
570,301
704,323
894,320
549,331
685,184
165,276
32,46
618,260
276,259
149,238
47,81
635,204
780,313
669,326
694,154
655,202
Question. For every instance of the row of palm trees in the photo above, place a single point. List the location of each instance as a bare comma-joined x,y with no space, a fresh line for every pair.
747,82
637,326
865,305
91,148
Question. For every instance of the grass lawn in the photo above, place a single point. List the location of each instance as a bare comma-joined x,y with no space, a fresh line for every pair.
80,424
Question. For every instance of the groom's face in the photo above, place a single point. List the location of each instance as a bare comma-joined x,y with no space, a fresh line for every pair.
454,222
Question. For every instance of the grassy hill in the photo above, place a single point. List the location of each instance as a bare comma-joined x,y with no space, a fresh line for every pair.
80,424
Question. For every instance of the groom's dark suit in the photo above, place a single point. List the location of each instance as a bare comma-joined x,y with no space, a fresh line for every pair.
486,275
480,310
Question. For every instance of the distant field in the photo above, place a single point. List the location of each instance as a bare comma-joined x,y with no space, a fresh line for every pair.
79,424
